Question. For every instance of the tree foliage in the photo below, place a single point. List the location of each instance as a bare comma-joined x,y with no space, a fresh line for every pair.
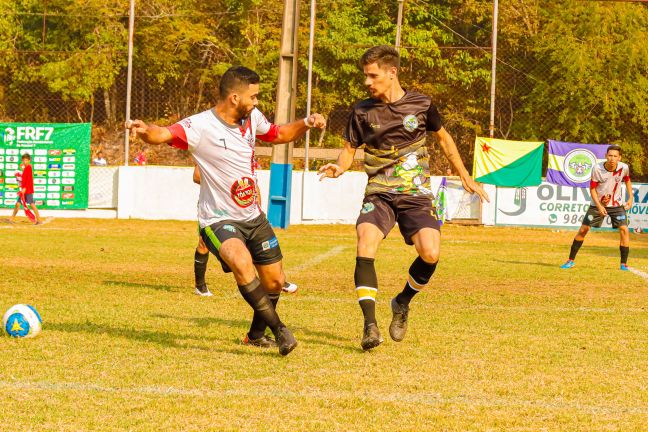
567,69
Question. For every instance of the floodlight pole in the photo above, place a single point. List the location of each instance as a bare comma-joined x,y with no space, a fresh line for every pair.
282,154
129,76
491,125
399,24
309,89
309,92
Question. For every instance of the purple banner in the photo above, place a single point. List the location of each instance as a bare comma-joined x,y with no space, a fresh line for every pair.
571,164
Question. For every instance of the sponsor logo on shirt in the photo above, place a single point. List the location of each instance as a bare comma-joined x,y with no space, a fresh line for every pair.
242,192
410,122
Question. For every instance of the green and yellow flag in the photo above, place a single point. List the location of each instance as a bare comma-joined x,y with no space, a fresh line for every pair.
508,163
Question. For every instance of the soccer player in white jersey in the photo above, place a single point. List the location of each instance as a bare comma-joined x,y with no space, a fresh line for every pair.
222,141
607,195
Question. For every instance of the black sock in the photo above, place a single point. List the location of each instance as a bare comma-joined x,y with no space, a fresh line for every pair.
256,297
625,251
200,267
366,283
576,245
258,326
420,273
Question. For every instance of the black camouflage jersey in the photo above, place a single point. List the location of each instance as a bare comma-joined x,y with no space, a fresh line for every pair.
394,135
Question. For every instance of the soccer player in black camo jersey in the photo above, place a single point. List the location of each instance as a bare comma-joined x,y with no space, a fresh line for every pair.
392,125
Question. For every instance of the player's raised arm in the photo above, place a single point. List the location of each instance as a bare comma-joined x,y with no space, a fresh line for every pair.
150,134
343,163
295,130
452,154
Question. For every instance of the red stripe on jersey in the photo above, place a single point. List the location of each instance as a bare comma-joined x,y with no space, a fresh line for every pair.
179,137
271,135
626,178
615,202
593,184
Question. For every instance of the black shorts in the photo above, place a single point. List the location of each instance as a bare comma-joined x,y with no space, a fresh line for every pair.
256,234
412,213
29,198
594,218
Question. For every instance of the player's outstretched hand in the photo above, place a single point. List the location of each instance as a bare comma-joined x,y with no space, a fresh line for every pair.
472,186
330,170
136,127
316,120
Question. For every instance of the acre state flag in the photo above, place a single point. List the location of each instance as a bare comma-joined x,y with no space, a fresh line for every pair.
508,163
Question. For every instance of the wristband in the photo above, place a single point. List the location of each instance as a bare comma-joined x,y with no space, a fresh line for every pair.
307,123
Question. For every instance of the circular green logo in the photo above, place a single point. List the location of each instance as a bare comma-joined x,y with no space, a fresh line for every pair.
578,165
410,122
553,218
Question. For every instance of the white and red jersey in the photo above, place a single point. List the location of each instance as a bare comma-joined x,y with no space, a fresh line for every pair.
608,184
225,157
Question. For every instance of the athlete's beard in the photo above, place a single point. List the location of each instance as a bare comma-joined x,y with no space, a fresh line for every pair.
242,113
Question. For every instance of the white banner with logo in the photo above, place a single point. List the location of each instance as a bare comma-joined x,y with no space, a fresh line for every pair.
550,205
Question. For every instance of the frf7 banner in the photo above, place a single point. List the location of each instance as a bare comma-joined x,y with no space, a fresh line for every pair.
60,158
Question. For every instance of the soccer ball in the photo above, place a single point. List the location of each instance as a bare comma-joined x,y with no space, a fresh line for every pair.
22,321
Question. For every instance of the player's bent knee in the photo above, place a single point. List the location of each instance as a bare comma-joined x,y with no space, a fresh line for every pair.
274,286
430,256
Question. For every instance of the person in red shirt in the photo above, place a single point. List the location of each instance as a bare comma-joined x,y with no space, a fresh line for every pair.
27,189
140,157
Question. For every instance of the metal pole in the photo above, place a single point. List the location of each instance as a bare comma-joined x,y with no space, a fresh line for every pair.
309,90
129,75
399,23
491,126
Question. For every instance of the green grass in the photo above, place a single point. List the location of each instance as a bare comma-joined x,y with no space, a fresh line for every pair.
501,339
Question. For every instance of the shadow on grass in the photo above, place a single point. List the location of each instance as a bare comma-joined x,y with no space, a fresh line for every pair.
207,321
139,285
161,338
312,336
164,339
526,263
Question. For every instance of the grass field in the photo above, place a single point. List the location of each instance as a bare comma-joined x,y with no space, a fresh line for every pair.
502,339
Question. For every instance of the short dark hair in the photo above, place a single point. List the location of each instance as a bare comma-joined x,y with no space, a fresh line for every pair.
614,147
26,156
234,78
383,55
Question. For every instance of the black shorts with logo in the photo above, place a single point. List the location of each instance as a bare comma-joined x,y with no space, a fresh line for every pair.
257,235
594,218
412,212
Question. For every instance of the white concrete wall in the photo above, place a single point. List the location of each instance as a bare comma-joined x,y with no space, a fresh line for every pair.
157,192
153,192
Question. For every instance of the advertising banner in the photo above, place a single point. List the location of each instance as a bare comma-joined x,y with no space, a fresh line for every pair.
550,205
60,158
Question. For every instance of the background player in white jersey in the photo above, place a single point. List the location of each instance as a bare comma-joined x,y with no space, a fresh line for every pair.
607,195
222,141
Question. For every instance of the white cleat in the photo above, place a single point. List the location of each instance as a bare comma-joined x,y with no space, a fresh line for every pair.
203,291
289,288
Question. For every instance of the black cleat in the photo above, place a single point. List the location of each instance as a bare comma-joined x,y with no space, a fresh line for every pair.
286,341
398,326
262,342
371,337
